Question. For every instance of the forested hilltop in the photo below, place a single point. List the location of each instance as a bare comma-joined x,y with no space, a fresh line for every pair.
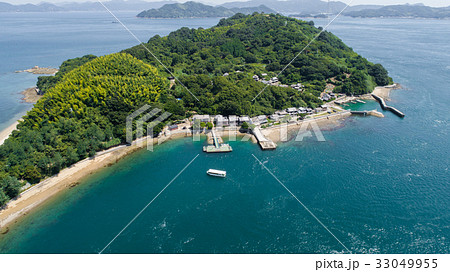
85,104
82,113
243,46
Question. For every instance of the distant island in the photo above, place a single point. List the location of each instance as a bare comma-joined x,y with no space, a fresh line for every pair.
198,10
307,15
403,11
114,5
6,7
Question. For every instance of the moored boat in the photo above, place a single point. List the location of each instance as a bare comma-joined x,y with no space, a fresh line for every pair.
216,173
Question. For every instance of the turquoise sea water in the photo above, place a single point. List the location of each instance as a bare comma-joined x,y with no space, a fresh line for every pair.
381,185
47,39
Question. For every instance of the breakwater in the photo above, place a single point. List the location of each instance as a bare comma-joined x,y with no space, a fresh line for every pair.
366,113
386,107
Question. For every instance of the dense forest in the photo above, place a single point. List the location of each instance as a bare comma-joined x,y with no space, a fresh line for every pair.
82,113
85,104
243,46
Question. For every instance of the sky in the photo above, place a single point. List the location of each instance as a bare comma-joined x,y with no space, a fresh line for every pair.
433,3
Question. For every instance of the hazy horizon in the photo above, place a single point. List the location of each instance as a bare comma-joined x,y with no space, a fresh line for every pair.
432,3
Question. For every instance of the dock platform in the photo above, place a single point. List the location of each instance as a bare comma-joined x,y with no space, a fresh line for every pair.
217,144
264,143
223,148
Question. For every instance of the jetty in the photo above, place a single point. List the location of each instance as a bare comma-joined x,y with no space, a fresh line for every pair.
264,143
366,113
386,107
217,145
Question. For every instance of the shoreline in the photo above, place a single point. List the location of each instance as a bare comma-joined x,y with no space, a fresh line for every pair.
30,95
323,122
40,70
4,134
327,121
71,176
385,91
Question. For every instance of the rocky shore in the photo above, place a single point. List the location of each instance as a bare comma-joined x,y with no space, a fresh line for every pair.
40,70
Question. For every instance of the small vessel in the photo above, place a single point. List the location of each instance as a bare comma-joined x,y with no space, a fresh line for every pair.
216,173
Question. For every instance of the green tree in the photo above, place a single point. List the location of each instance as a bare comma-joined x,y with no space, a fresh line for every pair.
32,174
380,74
3,198
245,125
10,186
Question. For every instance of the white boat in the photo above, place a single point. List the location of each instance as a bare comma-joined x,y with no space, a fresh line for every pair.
216,173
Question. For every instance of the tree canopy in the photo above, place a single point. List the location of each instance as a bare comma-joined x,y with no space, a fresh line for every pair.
83,113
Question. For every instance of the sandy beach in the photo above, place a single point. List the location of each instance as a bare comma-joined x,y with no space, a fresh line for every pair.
4,134
276,134
71,176
385,91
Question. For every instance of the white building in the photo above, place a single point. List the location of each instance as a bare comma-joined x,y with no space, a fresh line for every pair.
325,97
221,121
262,119
283,112
232,120
255,121
203,118
275,117
243,119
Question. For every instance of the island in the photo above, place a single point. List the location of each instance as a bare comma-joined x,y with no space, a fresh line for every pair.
403,11
231,69
198,10
41,7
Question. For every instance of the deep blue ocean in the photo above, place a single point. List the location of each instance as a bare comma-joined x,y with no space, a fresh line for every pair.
380,185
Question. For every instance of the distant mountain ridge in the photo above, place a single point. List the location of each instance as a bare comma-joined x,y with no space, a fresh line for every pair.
403,11
114,5
292,6
197,10
311,8
6,7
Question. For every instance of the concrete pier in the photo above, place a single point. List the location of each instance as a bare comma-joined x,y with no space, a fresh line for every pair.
264,143
217,145
386,107
366,113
